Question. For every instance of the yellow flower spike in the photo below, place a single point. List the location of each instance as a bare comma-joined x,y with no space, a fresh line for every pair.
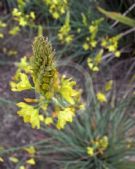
48,120
14,159
31,161
45,75
90,151
101,97
108,85
31,150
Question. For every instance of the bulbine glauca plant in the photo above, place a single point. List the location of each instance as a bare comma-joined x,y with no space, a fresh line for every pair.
57,99
80,136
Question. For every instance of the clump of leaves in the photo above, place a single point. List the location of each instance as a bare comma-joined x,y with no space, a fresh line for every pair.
97,139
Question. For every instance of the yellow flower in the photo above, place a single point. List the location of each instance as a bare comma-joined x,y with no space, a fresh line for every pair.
67,91
104,142
22,167
93,43
22,84
108,85
90,151
14,159
31,161
22,21
24,65
117,54
85,46
57,7
29,114
31,150
48,120
65,116
14,30
1,159
32,15
101,97
111,48
92,66
2,24
16,12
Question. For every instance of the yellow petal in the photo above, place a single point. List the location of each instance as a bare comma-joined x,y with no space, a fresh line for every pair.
90,151
22,167
31,150
101,97
14,159
31,161
1,159
108,85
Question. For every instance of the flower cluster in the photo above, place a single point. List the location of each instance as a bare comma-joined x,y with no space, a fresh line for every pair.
101,96
22,20
91,41
111,44
30,160
98,146
50,86
57,7
93,62
45,75
64,34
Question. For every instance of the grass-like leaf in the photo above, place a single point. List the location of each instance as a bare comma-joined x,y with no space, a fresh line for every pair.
118,17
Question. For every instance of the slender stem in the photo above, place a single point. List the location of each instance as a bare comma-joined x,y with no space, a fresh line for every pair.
127,32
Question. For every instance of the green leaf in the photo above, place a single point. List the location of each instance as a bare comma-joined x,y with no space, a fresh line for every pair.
118,17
